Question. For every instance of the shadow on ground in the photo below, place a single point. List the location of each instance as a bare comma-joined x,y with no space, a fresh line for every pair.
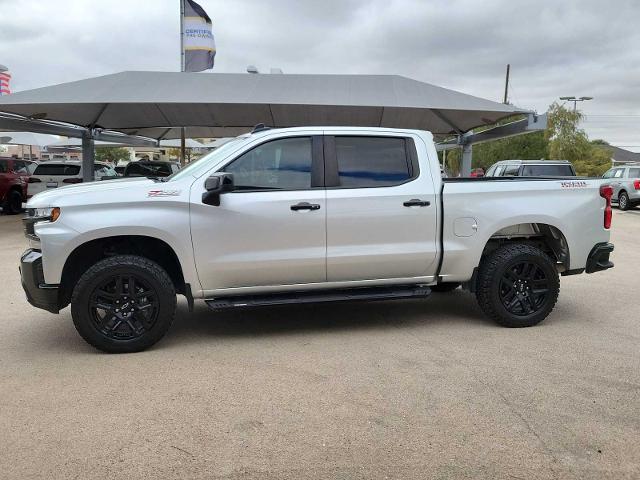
58,334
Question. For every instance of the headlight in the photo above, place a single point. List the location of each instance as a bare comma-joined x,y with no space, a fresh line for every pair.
50,214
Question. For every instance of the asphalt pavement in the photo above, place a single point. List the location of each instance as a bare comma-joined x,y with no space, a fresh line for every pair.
405,389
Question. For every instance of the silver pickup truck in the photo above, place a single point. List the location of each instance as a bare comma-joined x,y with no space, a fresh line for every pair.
625,181
307,215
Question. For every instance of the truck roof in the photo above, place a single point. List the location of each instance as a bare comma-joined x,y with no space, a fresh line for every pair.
533,162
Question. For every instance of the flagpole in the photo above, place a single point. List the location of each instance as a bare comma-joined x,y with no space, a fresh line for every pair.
182,66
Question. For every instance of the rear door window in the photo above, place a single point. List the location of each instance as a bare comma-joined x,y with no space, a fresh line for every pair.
634,173
59,169
372,161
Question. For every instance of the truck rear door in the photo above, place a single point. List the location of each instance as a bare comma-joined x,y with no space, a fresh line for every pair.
381,208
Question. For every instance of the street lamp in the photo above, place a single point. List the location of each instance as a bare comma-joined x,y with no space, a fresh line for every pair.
575,100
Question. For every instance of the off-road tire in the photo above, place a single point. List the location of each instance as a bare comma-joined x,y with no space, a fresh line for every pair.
149,272
13,203
492,272
444,287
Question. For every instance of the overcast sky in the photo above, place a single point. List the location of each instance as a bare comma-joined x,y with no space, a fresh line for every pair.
555,48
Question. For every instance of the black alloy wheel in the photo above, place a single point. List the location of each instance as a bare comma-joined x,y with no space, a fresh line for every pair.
523,288
124,307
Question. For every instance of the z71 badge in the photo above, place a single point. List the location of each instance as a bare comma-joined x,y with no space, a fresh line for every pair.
163,193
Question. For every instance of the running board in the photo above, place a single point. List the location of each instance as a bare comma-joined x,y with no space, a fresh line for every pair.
315,296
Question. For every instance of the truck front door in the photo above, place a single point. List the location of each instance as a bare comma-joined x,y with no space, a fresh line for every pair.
270,230
381,209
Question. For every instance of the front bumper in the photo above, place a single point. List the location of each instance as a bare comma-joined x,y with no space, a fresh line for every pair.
39,294
599,257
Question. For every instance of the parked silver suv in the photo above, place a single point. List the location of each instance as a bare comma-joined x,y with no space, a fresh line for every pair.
625,181
531,168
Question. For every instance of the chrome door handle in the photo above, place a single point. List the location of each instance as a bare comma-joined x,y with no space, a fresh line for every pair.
415,202
305,206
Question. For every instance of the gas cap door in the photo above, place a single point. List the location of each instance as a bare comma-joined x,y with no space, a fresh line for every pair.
465,226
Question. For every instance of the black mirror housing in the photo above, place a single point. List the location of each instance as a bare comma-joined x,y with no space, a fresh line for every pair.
217,184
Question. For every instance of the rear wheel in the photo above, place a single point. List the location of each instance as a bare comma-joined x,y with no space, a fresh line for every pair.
123,303
623,201
13,204
518,285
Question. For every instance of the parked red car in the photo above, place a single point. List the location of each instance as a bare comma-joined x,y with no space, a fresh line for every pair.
14,178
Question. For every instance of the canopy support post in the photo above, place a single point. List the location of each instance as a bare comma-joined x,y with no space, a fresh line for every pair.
88,156
182,146
467,157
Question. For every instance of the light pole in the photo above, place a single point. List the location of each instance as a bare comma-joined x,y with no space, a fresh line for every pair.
575,100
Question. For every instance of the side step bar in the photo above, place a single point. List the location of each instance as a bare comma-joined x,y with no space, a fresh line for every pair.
369,293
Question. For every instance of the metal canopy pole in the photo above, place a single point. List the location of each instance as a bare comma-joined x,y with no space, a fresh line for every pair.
182,146
467,157
182,68
88,156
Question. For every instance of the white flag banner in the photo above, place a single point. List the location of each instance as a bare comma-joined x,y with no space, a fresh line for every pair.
198,43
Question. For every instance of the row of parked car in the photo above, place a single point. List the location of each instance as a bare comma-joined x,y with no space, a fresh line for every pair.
21,179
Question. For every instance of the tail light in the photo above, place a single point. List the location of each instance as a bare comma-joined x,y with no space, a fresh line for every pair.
72,180
636,184
606,192
33,180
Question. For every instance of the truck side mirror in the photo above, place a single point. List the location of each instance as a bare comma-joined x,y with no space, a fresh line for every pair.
217,184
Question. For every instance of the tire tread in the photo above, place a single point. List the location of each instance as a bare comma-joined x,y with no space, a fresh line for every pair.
488,269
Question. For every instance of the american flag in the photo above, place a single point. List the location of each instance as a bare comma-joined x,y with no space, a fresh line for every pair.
5,78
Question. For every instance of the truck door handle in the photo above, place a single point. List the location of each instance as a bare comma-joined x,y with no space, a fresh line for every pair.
305,206
414,202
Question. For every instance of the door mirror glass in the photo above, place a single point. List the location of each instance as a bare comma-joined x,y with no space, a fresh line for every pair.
217,184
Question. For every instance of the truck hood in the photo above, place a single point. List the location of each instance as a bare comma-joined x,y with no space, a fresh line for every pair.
66,195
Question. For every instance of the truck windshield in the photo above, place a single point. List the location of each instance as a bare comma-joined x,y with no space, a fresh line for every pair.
209,159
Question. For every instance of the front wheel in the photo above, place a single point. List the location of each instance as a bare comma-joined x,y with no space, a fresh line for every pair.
517,285
123,303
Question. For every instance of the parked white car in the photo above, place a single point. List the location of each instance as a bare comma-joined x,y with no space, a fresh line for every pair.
310,214
56,174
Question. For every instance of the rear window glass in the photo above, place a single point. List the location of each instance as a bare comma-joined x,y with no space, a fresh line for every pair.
62,170
547,171
634,172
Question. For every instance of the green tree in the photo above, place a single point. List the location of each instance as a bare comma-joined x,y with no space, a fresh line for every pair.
112,154
569,142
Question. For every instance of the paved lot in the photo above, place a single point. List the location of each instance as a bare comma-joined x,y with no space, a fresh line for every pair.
413,389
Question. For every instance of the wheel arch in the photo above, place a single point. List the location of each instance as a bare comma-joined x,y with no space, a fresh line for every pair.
549,238
88,253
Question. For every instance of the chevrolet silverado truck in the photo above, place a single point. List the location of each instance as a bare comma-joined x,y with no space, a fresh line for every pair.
301,215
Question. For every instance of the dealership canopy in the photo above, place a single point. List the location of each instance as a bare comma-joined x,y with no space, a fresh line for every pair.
157,104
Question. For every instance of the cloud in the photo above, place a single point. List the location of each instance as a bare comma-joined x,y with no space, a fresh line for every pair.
573,47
